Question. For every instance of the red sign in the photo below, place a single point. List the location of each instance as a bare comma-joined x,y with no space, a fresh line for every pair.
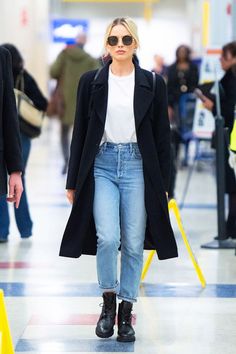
229,9
24,18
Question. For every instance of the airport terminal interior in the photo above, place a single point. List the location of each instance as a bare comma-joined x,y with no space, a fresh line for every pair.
186,305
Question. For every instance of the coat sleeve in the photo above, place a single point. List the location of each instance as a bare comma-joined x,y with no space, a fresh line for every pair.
161,130
79,132
56,68
227,101
227,110
11,133
33,92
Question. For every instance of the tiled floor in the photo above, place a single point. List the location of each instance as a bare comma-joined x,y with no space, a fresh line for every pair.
53,302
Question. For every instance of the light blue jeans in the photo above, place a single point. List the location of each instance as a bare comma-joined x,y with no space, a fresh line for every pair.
120,217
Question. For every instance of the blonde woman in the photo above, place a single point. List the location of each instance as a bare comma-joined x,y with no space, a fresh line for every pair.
118,175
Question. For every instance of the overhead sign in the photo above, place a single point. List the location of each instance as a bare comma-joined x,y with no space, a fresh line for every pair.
204,124
66,30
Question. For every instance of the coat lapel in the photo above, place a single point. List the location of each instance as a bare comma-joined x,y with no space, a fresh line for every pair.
143,95
100,93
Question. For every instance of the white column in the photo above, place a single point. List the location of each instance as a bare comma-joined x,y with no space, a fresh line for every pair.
25,24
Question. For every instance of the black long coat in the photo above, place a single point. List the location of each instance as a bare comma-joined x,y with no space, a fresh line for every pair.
153,136
10,146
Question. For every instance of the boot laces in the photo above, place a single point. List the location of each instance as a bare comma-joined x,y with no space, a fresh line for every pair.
105,309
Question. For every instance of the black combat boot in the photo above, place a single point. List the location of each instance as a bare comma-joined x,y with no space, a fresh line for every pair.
107,318
125,330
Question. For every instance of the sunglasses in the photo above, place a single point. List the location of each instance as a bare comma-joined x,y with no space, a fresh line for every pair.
113,40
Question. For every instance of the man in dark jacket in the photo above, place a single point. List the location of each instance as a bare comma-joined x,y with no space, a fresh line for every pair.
228,104
10,147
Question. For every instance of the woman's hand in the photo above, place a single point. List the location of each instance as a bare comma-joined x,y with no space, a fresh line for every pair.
70,194
15,188
208,104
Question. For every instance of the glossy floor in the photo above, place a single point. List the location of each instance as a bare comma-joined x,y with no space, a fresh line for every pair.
53,302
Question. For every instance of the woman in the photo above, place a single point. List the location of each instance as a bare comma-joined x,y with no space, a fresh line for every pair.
228,102
118,175
22,214
182,78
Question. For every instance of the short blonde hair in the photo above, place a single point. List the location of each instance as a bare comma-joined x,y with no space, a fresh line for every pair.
128,23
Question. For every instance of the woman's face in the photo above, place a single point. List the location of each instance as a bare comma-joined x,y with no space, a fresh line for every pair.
182,53
227,61
121,50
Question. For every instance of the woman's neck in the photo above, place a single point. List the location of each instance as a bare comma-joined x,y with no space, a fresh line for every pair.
122,68
183,65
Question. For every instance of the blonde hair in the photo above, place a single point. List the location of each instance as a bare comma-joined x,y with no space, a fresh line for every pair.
128,23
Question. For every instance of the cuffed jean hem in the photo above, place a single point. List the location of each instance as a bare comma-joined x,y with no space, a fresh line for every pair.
109,289
125,298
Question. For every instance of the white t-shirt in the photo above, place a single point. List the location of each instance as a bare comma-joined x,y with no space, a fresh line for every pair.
120,123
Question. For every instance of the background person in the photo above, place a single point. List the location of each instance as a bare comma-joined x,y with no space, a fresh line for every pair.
118,175
10,146
182,78
31,89
159,66
68,67
228,102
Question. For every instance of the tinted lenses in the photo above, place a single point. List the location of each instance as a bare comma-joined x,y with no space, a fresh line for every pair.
113,40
